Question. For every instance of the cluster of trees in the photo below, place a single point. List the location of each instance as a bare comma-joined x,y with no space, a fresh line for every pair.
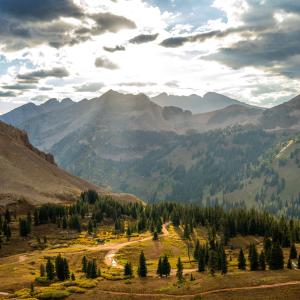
5,229
227,223
59,269
25,225
211,256
89,267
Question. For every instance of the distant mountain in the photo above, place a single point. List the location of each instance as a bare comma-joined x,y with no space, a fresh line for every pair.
30,175
30,110
197,104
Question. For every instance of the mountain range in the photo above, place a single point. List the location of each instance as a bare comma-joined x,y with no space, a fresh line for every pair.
130,144
197,104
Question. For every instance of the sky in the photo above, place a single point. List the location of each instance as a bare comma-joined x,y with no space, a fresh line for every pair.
246,49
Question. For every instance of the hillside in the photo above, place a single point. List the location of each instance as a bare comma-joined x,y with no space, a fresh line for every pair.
129,144
31,175
274,183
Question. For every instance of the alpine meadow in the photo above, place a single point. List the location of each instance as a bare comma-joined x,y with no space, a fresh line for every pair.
149,149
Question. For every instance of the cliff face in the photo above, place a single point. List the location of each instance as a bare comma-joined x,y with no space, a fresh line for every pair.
21,137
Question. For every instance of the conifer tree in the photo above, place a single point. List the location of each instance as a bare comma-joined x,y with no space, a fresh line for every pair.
262,261
159,271
197,249
223,262
293,252
241,260
289,264
166,267
73,277
299,261
90,227
201,260
84,264
42,270
267,249
142,268
128,270
253,257
276,257
49,269
155,236
179,273
212,262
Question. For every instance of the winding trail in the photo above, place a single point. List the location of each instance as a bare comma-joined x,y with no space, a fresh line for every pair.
110,259
191,296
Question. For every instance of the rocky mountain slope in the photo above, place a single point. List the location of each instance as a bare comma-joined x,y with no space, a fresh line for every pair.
31,175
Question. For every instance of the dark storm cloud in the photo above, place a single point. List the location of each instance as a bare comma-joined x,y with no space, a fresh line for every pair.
39,10
7,94
103,62
144,38
28,23
114,49
35,76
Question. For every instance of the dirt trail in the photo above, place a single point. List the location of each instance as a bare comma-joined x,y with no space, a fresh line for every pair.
110,259
191,296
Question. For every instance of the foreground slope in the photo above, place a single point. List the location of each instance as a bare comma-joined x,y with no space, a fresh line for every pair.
27,173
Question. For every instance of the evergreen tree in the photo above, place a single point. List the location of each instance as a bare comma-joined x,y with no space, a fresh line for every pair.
166,267
84,264
179,273
223,262
60,268
128,270
92,269
253,257
73,277
212,262
197,249
159,271
90,227
299,261
66,269
42,270
289,264
24,227
49,269
201,260
241,260
276,257
142,268
262,261
293,252
155,236
267,249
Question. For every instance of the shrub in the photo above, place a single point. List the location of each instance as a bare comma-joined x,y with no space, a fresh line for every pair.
76,290
53,294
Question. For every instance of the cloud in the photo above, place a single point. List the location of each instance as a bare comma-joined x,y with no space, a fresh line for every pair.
137,84
89,87
35,76
29,23
46,88
19,87
103,62
40,98
7,94
144,38
114,49
39,10
175,42
110,22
